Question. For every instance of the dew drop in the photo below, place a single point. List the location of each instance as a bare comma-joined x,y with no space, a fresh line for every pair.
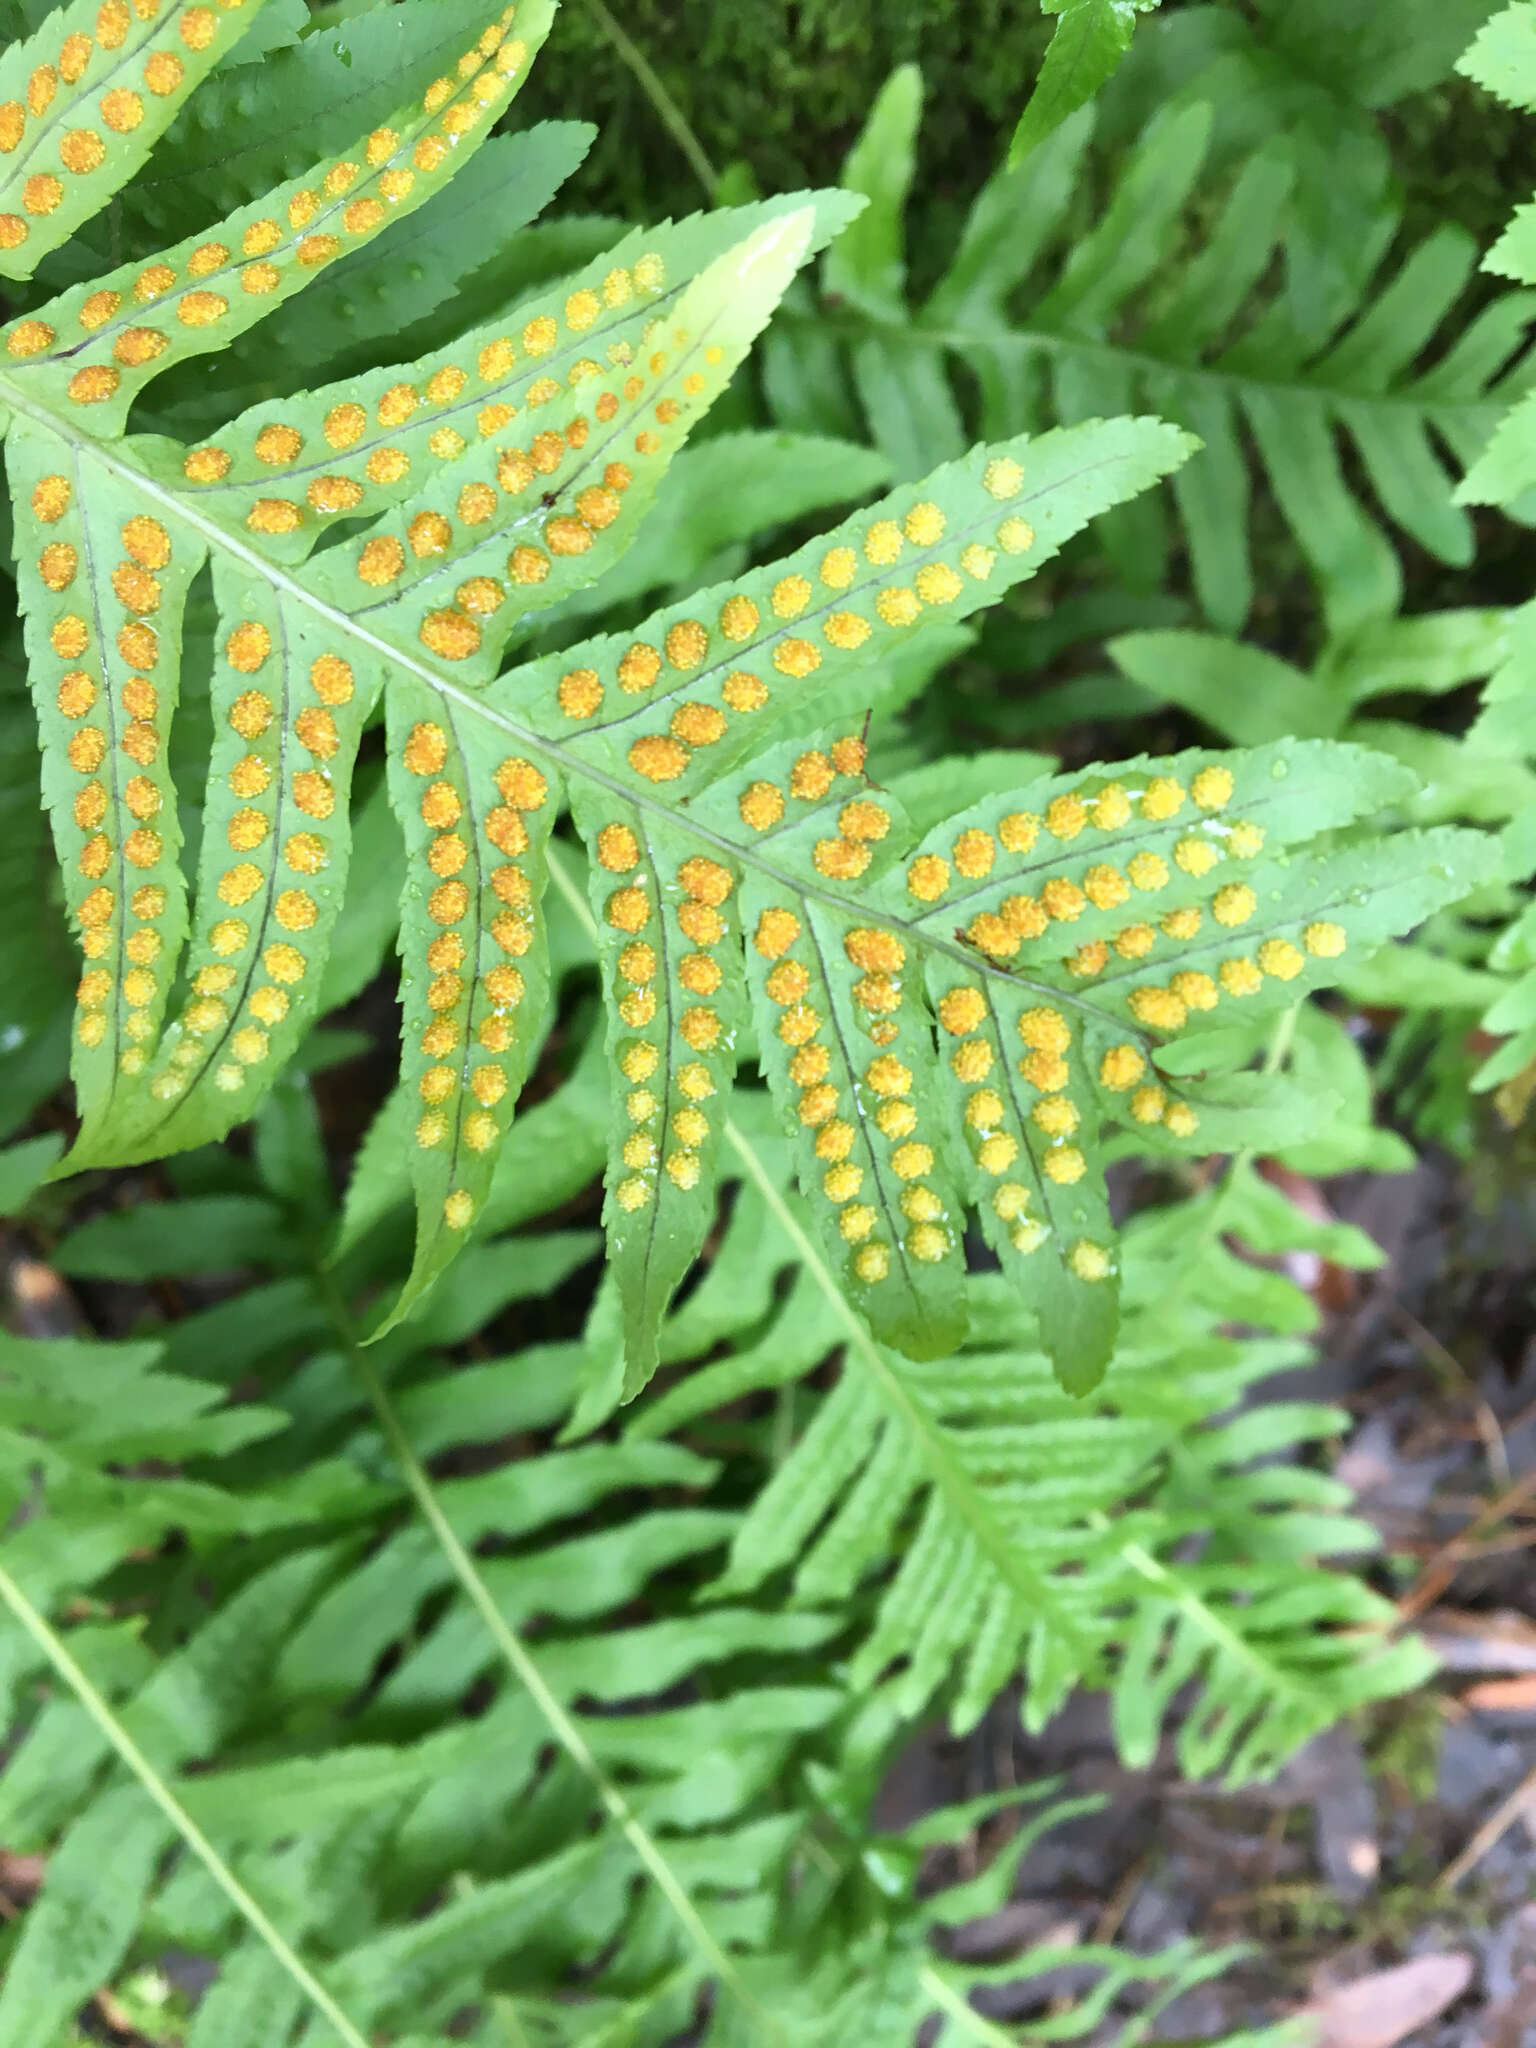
343,55
1279,770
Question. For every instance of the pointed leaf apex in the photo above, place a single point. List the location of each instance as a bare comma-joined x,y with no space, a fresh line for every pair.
770,258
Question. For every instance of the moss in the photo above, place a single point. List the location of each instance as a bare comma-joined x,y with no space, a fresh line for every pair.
783,86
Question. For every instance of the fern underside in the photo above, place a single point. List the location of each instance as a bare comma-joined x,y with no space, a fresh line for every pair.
485,482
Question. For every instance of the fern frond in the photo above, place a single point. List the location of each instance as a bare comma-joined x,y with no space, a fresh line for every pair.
373,437
1176,907
482,485
89,353
1090,38
1140,311
367,299
286,1648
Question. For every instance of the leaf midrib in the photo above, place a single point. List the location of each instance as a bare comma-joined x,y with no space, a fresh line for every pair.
215,1046
111,721
576,765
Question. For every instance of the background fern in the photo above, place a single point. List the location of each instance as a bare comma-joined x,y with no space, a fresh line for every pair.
1240,321
301,1685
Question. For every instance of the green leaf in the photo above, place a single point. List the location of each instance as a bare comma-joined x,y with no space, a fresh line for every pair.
104,726
1502,60
1368,57
369,439
721,493
867,265
1232,926
24,1168
670,950
871,1140
78,1933
220,1232
248,130
1090,39
1241,692
474,962
251,2002
370,296
901,384
289,710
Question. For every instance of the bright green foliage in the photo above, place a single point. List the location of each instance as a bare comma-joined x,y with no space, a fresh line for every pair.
1090,39
1241,324
302,1682
391,533
1502,60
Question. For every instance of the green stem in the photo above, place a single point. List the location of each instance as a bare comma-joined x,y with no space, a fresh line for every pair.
57,1652
852,325
515,1655
671,115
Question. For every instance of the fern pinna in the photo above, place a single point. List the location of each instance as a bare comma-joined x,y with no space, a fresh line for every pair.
948,1019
